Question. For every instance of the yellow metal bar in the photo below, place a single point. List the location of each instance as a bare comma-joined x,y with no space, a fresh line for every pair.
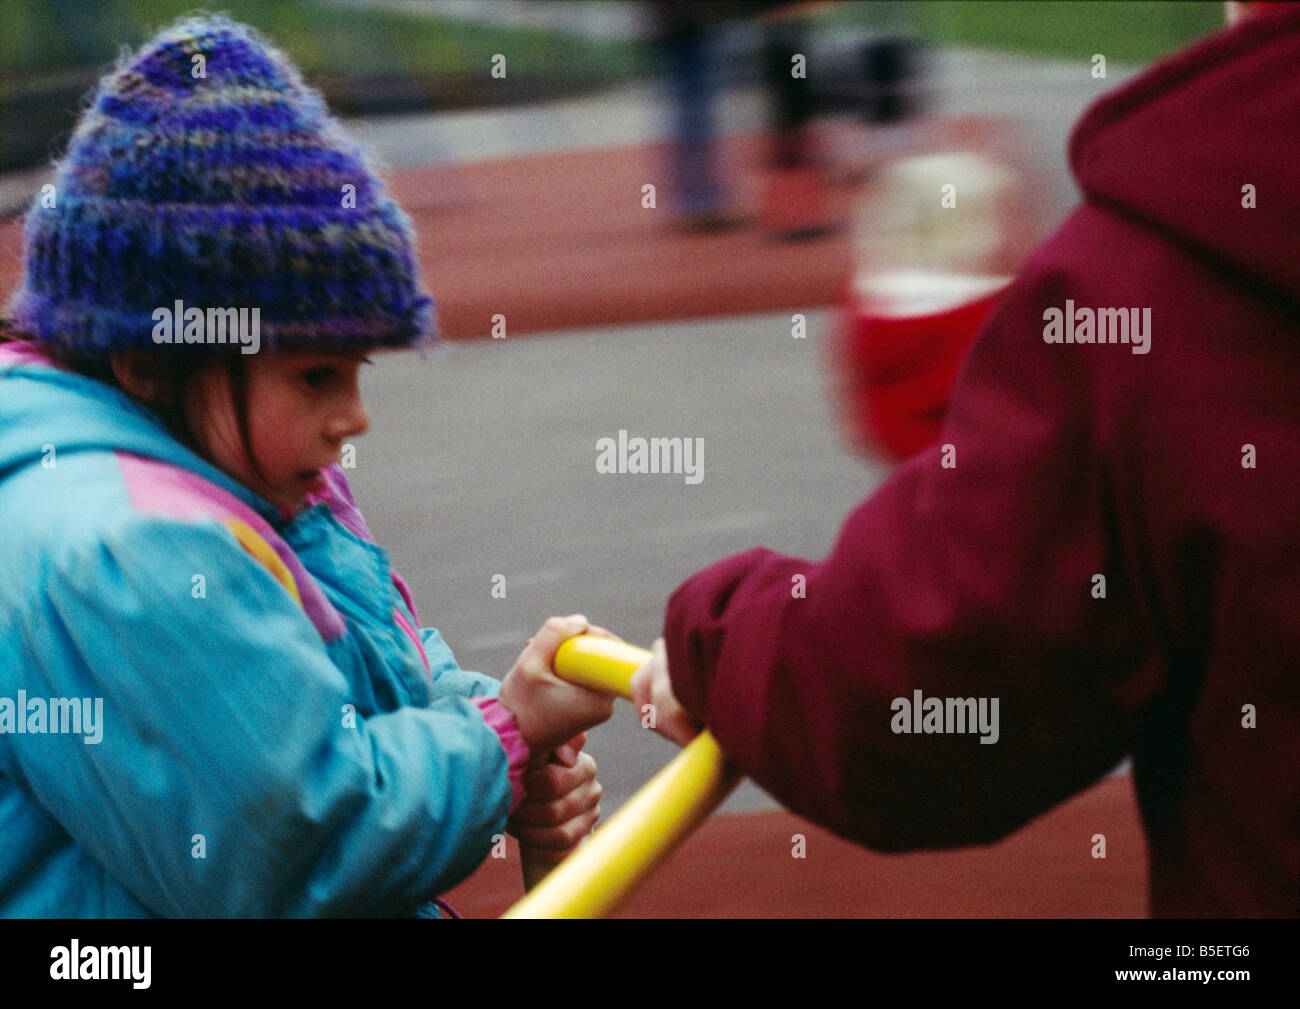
599,876
600,664
603,872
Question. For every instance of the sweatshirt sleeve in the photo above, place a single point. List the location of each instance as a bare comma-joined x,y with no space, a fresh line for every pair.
234,777
970,573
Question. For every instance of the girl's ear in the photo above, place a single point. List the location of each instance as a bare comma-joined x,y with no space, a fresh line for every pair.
145,375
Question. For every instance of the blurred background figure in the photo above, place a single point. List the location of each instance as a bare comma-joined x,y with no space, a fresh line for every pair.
687,33
809,67
795,198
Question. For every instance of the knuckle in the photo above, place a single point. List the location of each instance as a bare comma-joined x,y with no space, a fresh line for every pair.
570,808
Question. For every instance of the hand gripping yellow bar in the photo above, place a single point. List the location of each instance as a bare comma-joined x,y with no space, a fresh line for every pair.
603,872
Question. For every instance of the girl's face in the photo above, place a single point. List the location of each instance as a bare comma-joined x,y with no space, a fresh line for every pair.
301,408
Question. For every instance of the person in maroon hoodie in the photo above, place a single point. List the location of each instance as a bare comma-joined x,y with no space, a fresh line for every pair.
1103,551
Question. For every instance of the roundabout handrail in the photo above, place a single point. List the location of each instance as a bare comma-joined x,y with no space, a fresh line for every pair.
608,867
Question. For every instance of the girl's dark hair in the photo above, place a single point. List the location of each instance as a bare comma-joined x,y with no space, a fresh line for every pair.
184,364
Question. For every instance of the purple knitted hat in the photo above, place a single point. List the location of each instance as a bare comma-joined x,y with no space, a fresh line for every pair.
206,173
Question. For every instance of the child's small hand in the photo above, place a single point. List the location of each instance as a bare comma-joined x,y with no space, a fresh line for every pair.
548,711
560,807
651,685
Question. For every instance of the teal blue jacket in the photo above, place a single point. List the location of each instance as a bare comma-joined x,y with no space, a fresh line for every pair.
276,737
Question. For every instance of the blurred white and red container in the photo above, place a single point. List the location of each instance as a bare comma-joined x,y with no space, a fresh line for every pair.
930,265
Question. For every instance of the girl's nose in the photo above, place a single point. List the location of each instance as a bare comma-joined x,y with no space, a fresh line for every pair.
360,421
351,421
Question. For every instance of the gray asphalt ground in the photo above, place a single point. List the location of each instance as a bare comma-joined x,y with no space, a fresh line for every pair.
481,460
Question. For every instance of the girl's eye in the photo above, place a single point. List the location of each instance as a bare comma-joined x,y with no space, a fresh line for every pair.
316,378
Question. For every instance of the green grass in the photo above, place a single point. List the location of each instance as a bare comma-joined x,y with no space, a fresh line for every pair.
1123,31
323,40
328,41
32,40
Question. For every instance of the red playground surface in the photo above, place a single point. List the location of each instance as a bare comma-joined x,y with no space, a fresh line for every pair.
742,866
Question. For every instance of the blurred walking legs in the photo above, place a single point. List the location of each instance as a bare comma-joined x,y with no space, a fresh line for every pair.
700,199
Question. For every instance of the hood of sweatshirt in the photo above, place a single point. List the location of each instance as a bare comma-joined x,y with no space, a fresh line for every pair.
1177,148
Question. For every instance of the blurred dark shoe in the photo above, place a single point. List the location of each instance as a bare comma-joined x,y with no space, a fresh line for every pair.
712,220
806,234
795,202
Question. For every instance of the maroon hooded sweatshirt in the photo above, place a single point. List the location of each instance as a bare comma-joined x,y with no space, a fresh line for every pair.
972,572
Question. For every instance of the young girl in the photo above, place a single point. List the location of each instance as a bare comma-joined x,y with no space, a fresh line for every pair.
215,698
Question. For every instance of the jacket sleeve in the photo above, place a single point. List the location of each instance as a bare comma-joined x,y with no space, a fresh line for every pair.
449,680
968,580
234,776
448,677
